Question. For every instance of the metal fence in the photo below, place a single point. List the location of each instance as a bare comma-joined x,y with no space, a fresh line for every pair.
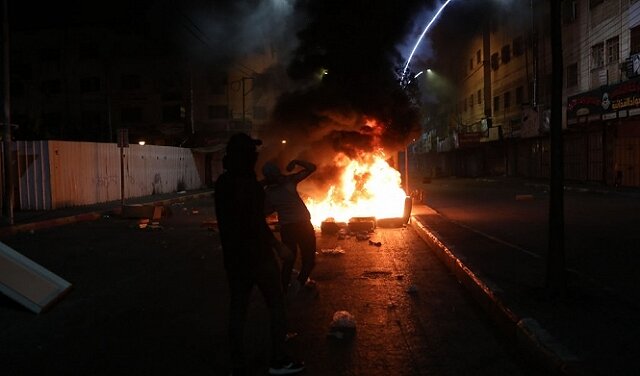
57,174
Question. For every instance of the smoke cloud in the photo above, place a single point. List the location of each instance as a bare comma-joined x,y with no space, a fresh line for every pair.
345,69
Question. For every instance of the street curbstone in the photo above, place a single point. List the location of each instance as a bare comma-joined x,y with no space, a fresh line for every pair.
530,337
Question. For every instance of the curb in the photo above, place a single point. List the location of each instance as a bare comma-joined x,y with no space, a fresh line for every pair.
91,215
527,333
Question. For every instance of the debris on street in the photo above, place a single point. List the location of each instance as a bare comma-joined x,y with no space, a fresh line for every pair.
343,325
362,235
332,251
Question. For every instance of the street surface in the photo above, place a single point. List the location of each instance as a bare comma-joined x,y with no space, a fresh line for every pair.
151,301
498,228
601,237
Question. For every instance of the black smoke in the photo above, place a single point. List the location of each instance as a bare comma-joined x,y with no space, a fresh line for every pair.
345,66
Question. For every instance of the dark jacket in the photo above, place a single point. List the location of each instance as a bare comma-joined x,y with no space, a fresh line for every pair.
245,236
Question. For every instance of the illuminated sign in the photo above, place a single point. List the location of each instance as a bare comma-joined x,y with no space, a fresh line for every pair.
605,100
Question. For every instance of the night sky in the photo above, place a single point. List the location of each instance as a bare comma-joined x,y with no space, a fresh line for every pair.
361,44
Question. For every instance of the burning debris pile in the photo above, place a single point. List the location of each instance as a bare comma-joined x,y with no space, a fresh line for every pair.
367,188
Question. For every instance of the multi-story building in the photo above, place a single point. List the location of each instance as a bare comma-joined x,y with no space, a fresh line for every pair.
501,112
602,90
501,73
86,82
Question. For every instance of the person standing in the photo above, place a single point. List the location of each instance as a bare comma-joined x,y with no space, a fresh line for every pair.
296,230
248,250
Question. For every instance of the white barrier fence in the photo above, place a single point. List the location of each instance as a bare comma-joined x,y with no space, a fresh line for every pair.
57,174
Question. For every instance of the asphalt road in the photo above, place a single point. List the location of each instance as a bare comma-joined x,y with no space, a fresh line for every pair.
155,302
601,237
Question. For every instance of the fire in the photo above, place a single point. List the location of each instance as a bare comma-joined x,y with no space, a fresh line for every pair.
368,187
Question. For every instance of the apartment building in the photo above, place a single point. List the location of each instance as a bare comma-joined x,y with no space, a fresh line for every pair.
86,82
501,114
602,89
502,94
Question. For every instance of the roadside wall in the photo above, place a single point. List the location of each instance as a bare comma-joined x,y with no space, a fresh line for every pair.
57,174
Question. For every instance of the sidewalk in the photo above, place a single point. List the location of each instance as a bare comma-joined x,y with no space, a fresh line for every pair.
35,220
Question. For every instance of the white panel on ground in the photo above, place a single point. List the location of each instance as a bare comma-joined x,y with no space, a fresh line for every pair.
28,283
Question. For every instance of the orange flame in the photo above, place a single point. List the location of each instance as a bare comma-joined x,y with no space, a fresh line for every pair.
368,187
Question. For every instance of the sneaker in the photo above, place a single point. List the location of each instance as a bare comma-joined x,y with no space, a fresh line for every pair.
310,284
286,368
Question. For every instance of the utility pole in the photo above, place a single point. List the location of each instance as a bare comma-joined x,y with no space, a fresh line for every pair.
555,277
244,95
7,206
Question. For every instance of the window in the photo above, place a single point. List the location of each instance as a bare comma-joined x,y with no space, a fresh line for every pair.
22,71
479,96
478,57
496,104
507,100
52,119
91,118
260,112
518,46
172,113
51,87
171,96
597,56
635,40
50,55
89,84
471,101
87,51
594,3
613,50
494,61
217,85
506,54
131,115
572,75
130,81
218,112
519,95
17,89
569,11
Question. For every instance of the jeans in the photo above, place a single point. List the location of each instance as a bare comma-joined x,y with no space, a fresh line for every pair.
266,277
298,235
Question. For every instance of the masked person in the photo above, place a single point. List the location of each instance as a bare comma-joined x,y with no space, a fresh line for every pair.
249,259
296,230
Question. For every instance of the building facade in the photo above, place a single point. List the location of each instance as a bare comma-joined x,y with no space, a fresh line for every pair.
83,83
501,111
